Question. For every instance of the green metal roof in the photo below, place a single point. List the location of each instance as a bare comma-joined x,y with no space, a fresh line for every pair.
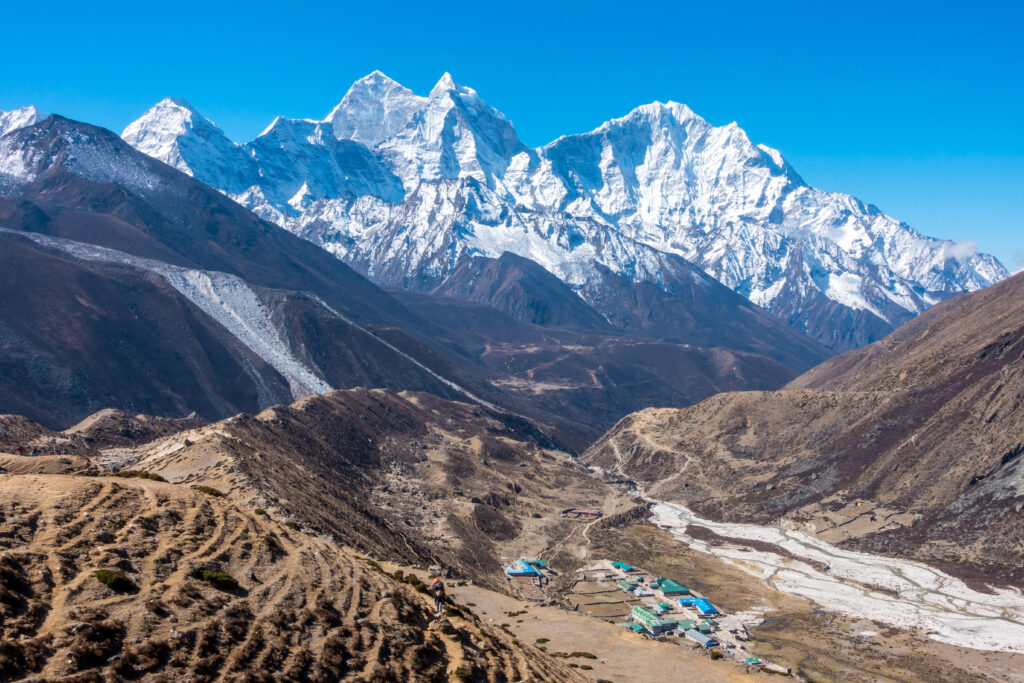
648,618
671,586
643,613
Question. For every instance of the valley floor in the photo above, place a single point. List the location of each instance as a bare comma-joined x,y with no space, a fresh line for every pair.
898,592
795,631
475,503
620,654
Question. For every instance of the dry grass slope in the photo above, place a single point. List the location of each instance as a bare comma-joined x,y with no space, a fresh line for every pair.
304,609
408,477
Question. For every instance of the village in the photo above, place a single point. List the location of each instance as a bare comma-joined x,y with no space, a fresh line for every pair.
650,606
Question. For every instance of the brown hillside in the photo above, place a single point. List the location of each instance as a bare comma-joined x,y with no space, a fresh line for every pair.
926,426
406,476
19,432
112,427
304,609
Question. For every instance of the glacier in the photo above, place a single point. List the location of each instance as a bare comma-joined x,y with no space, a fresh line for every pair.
403,187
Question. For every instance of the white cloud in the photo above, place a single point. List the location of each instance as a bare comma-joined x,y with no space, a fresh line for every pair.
959,250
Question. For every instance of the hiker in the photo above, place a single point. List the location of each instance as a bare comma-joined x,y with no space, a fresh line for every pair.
437,588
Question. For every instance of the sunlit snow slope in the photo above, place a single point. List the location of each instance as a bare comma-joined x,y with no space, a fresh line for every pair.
404,187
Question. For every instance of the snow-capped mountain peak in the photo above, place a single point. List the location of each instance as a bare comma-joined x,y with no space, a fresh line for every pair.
174,132
404,187
446,84
374,108
451,134
19,118
273,124
164,122
295,129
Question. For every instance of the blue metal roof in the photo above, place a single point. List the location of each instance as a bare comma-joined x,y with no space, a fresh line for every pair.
520,568
704,607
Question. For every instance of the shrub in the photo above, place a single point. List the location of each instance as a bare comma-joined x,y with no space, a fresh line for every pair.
261,512
415,582
541,641
292,525
463,674
96,644
139,474
399,574
716,655
209,490
221,580
585,655
115,580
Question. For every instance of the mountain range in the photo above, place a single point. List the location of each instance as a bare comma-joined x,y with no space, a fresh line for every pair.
406,189
130,285
397,335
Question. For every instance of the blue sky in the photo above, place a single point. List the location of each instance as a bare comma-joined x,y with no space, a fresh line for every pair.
914,107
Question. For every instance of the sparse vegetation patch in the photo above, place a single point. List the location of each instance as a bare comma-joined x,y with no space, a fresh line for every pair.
115,580
221,580
138,474
209,490
415,582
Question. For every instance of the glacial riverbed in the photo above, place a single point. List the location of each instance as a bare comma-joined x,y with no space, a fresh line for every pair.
898,592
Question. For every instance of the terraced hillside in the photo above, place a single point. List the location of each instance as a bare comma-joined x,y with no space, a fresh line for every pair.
302,609
405,476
